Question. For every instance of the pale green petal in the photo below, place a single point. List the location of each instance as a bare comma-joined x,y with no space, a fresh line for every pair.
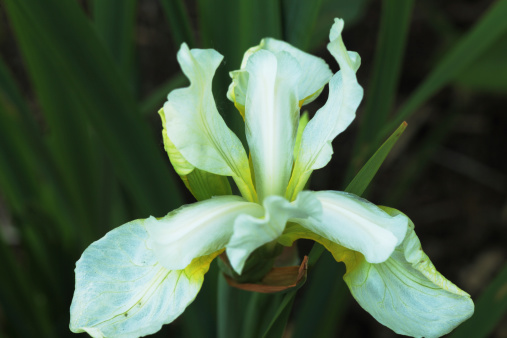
200,183
195,127
271,117
303,121
204,185
315,72
251,232
356,224
197,229
407,294
237,90
122,291
179,163
345,94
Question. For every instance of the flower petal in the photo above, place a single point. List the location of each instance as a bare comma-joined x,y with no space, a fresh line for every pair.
315,72
252,232
271,117
407,294
345,94
195,127
358,225
200,183
197,229
122,291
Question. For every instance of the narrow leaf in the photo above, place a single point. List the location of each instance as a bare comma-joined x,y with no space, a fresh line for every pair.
465,52
115,21
277,326
96,82
179,21
368,171
394,25
300,17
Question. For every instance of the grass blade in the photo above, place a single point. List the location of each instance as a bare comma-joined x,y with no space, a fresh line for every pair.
331,304
179,22
115,22
277,325
363,178
394,25
487,31
300,17
97,85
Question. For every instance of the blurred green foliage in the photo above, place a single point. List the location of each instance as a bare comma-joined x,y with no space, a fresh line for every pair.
81,157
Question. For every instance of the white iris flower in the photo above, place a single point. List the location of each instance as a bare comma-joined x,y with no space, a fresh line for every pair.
144,274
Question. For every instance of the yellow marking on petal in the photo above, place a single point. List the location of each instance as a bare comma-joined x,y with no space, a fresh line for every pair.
179,163
200,265
293,232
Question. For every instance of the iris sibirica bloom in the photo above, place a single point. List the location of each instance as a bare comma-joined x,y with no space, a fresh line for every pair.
144,274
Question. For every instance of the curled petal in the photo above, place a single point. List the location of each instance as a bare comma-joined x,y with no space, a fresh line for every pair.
356,224
123,291
252,232
195,127
197,229
407,294
345,94
315,72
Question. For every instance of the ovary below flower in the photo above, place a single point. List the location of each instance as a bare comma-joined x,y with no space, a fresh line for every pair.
145,273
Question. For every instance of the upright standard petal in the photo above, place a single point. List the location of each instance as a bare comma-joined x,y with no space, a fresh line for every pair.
407,294
197,229
252,232
271,117
195,127
123,291
345,94
315,72
356,224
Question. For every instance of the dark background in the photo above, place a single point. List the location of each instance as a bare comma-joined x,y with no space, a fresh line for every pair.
448,172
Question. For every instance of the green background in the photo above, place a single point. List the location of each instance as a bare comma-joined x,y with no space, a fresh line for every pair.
81,147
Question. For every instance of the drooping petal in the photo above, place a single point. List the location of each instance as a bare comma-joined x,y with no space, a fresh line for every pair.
271,117
122,290
197,229
195,127
315,72
345,94
358,225
407,294
252,232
